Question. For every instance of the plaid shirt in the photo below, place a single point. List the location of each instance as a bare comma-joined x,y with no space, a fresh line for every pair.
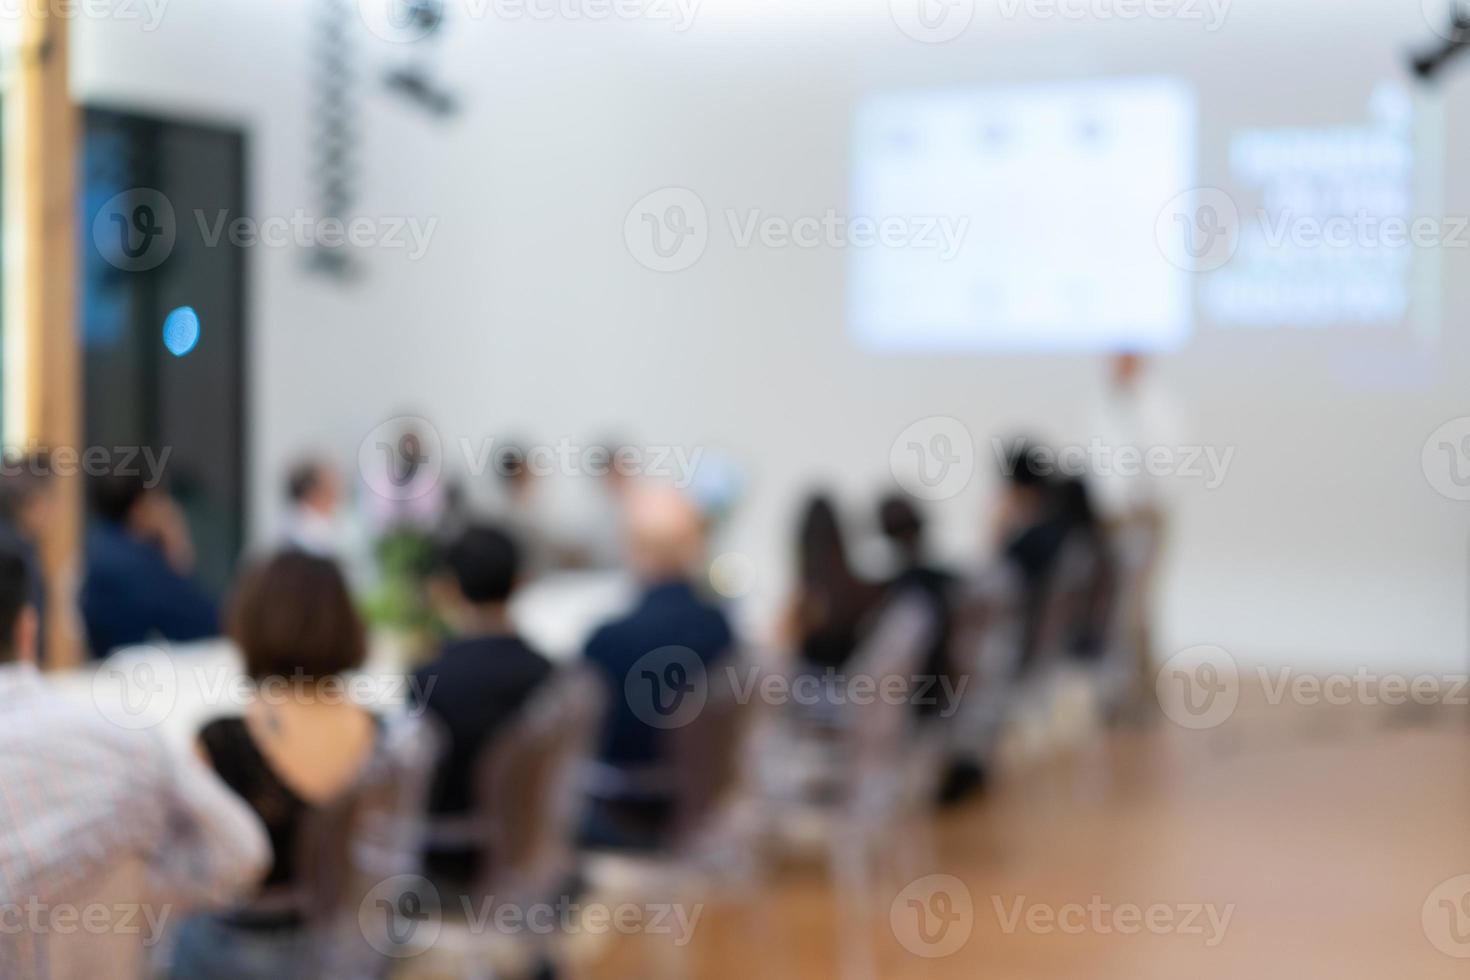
79,795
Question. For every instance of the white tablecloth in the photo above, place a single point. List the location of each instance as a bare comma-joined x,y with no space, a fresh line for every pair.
176,688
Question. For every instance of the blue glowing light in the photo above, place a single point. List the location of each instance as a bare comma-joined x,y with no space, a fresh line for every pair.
181,331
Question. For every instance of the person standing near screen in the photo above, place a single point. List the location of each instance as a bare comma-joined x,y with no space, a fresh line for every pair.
1138,414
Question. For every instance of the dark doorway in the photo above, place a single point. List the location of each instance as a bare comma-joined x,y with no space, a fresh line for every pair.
153,191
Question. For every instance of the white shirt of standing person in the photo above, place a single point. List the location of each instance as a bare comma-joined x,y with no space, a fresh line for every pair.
337,537
1141,415
311,531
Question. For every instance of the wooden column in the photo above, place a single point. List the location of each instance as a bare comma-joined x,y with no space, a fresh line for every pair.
43,361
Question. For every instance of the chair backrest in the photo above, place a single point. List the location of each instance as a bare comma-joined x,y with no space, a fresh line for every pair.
371,833
1077,599
707,755
985,653
895,647
986,643
527,791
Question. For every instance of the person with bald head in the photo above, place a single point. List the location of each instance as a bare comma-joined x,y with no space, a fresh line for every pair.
672,628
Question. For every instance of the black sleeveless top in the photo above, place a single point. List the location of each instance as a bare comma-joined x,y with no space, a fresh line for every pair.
240,764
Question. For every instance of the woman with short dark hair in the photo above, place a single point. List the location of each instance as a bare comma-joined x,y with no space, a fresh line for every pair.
299,746
292,618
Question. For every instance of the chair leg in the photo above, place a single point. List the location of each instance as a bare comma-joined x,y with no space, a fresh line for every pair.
749,887
849,863
671,960
472,967
913,853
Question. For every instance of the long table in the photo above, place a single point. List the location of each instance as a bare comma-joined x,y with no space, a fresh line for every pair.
176,688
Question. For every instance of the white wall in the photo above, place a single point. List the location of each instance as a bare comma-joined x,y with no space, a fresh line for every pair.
1326,544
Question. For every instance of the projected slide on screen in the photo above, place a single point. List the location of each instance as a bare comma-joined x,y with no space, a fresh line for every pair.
1056,189
1330,234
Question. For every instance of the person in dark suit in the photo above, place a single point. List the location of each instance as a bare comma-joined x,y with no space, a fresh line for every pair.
139,557
665,544
480,679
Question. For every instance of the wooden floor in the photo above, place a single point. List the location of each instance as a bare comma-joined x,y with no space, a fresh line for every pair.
1324,831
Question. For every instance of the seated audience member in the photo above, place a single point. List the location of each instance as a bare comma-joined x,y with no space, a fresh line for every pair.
298,747
903,526
1086,531
517,503
27,516
1027,525
831,610
965,771
314,495
1036,517
81,798
665,545
404,490
139,556
455,518
589,512
318,522
480,679
1029,529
